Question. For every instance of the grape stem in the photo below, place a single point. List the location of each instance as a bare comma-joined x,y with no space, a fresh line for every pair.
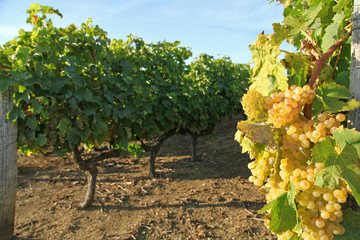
320,65
337,60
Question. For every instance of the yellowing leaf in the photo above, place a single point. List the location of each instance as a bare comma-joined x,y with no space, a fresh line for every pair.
258,133
253,105
265,56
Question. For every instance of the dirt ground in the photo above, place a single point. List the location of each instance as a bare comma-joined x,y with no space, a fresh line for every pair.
207,199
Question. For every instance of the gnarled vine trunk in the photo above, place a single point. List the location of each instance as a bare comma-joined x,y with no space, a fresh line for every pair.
8,167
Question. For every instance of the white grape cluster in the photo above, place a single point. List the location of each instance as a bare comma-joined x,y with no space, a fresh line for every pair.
319,209
261,167
285,107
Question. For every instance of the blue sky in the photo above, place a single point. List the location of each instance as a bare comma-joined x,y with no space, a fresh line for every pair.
215,27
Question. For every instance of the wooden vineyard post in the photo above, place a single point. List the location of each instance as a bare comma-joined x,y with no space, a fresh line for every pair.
354,116
8,167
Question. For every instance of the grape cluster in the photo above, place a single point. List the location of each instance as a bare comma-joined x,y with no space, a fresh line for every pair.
302,133
319,209
261,167
284,107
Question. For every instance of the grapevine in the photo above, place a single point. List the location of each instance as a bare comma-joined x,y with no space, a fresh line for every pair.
305,157
75,90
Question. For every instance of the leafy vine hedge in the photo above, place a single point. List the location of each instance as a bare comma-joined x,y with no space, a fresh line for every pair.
76,89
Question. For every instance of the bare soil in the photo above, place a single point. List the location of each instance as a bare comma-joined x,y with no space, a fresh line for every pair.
206,199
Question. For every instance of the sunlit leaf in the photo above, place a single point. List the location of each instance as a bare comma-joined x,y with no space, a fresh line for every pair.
265,55
258,133
283,213
344,164
333,97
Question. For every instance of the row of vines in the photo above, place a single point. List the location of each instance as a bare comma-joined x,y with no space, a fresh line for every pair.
77,90
306,159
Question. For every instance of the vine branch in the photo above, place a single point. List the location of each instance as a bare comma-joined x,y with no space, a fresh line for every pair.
320,65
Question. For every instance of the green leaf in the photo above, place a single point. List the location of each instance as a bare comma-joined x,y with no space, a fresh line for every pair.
283,215
64,124
8,51
332,32
41,140
295,237
298,66
347,136
13,114
339,7
343,164
73,136
89,110
301,22
343,78
22,55
36,105
31,122
332,97
351,224
4,83
273,85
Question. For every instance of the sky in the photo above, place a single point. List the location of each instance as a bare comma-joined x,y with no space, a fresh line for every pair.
215,27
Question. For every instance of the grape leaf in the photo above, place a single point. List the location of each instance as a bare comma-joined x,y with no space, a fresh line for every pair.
298,65
332,97
300,22
351,224
41,140
265,55
349,136
295,237
273,85
283,215
339,7
332,32
258,133
4,83
343,164
280,33
253,149
343,78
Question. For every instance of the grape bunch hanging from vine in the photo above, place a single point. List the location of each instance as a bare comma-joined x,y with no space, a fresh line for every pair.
306,160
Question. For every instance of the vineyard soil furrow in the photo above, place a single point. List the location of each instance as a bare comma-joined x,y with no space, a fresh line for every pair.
206,199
